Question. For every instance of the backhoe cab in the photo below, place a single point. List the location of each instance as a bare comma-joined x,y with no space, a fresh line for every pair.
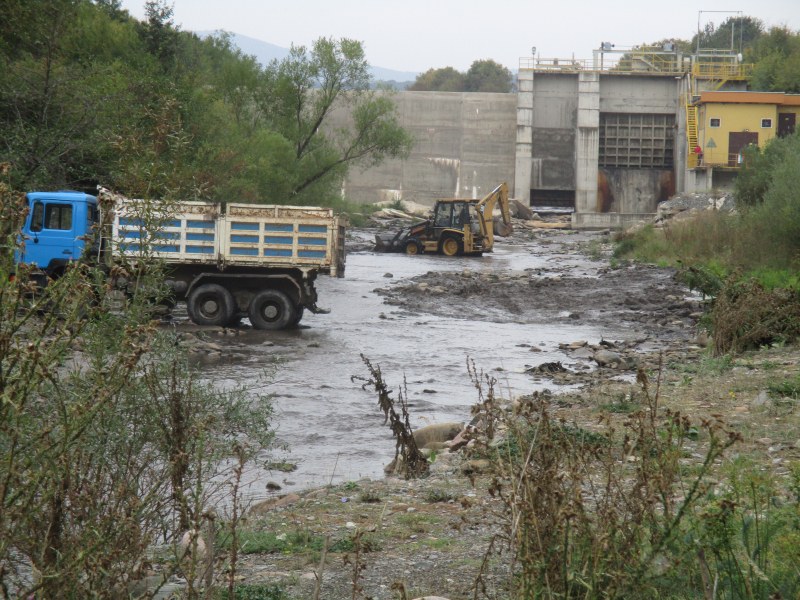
457,226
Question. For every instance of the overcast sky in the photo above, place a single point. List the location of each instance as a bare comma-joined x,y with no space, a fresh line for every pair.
415,35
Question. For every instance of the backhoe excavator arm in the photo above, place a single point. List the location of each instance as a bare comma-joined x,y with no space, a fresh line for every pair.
498,195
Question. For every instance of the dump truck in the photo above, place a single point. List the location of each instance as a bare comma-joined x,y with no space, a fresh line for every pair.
226,261
457,226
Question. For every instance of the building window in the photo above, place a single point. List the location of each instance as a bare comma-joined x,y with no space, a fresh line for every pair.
714,122
766,123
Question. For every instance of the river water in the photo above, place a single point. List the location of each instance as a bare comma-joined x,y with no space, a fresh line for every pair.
332,428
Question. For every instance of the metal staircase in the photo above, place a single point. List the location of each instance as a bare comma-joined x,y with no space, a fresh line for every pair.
691,134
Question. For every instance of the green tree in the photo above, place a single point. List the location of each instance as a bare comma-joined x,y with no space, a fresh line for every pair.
90,96
757,173
776,55
446,79
159,33
303,92
488,76
734,33
482,76
57,96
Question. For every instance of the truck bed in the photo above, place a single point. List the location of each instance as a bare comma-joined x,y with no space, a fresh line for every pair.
241,235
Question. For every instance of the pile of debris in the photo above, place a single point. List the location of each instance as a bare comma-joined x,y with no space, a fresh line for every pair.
689,205
411,211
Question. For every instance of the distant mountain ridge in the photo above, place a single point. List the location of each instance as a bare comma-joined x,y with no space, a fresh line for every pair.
264,53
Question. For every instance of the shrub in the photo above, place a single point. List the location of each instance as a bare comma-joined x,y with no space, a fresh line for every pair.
253,592
755,178
748,534
108,442
745,315
601,515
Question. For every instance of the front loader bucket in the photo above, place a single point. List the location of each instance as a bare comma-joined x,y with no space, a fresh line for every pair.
382,242
389,242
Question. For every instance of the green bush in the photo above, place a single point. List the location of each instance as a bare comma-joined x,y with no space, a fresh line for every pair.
745,316
268,542
603,515
254,592
756,177
109,441
749,532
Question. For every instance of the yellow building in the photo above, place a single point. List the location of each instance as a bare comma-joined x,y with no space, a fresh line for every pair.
729,121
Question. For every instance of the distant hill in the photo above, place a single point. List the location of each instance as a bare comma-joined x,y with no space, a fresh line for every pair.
264,52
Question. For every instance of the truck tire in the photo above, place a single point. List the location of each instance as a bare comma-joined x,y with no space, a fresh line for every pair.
298,315
271,309
210,304
451,246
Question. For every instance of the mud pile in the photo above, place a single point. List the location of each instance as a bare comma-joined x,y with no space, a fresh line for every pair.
647,299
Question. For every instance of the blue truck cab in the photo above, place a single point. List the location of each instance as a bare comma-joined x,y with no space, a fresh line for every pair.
56,229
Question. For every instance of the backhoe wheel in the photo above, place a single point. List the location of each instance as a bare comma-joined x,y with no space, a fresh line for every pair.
412,247
271,309
210,304
450,246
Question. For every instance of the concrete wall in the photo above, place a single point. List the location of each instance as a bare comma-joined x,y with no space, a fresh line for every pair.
638,94
465,147
545,137
624,190
555,118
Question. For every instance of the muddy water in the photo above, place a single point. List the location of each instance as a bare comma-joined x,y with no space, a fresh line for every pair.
333,429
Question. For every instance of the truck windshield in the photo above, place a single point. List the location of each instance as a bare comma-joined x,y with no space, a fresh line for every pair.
442,218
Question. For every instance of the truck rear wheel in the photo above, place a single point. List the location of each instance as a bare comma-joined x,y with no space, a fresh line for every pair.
450,246
210,304
271,309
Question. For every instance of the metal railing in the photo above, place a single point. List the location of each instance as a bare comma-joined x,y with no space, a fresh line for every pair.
721,70
554,64
733,160
632,62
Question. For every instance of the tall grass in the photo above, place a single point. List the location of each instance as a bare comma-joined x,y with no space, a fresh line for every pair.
750,243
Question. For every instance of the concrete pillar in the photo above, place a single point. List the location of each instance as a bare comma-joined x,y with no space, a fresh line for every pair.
524,152
682,174
587,142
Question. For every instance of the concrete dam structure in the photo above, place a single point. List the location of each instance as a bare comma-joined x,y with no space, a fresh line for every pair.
464,147
607,142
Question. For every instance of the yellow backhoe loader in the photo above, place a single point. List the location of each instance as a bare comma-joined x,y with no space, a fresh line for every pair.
457,226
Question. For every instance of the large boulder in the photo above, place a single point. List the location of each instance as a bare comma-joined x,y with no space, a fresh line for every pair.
415,208
607,358
520,211
691,204
436,434
391,213
501,229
